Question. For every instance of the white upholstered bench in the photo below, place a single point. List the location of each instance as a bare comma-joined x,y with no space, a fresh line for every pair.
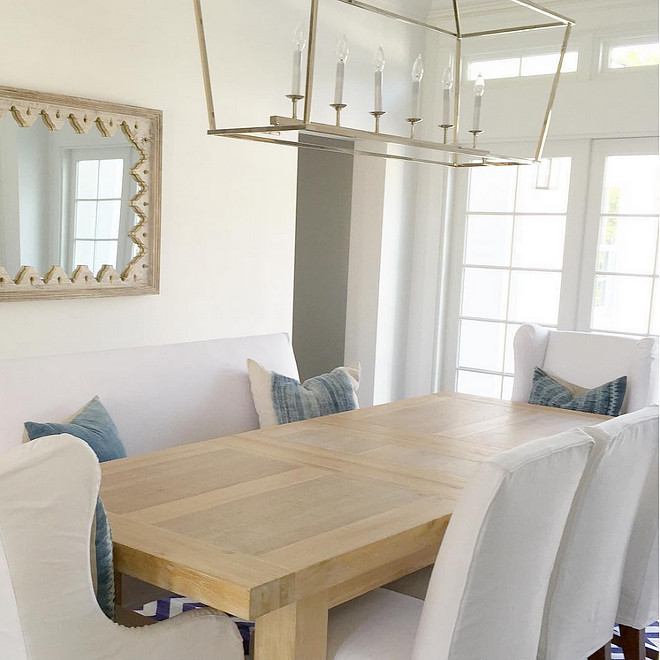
158,396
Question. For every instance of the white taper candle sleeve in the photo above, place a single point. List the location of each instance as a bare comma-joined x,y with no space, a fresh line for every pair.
446,109
477,112
339,82
416,102
297,72
378,105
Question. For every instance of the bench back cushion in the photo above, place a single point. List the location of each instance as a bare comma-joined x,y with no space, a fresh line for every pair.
158,396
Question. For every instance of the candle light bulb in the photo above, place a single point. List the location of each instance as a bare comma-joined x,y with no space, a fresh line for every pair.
379,60
448,78
479,86
299,39
343,49
418,69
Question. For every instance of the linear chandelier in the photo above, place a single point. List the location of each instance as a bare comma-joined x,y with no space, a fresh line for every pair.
447,152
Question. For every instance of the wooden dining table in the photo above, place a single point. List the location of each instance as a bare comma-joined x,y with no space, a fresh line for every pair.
281,524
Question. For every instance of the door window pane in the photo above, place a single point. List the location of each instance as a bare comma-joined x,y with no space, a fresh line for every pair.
87,179
84,254
539,241
111,175
631,185
109,213
488,241
621,304
535,197
627,245
481,345
85,219
485,293
471,382
492,189
105,254
535,297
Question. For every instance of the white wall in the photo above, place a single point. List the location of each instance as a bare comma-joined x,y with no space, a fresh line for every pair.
228,207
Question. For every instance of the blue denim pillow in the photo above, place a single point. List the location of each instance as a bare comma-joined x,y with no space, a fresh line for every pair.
94,425
605,399
280,400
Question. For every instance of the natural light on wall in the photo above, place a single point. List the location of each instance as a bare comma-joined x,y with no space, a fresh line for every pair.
526,65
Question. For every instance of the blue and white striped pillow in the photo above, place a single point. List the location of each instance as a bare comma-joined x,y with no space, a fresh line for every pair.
606,399
279,399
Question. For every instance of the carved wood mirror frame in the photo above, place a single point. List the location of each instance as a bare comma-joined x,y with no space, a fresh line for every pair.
143,129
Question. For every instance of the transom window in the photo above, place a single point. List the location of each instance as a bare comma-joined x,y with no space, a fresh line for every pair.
633,55
523,66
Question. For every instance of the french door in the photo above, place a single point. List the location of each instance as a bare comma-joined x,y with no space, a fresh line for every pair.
556,244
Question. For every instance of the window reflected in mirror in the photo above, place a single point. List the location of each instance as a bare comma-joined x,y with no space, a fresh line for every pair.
65,198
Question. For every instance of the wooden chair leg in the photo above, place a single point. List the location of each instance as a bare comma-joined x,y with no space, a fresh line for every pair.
633,643
652,654
602,654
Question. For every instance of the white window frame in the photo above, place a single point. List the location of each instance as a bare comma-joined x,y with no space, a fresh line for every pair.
578,151
70,158
607,43
520,57
581,240
600,151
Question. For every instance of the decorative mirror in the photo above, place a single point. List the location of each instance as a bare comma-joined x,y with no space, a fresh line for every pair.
79,197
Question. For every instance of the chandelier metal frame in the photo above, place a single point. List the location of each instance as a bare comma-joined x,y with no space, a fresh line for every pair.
286,130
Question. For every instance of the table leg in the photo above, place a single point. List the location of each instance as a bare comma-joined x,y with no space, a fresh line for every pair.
295,632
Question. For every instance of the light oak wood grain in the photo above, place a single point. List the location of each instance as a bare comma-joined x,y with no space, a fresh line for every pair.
280,524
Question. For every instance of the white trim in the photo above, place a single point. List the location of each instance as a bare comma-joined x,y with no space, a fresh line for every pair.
601,149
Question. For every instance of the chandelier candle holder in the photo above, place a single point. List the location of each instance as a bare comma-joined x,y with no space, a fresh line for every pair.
440,150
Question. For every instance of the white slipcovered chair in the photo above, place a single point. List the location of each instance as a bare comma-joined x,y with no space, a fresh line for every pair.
584,590
587,360
638,603
590,360
487,592
48,611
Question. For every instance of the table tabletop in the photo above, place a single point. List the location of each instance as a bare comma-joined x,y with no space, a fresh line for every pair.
278,525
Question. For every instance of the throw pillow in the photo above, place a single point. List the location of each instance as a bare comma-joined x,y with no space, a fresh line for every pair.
279,399
606,399
93,424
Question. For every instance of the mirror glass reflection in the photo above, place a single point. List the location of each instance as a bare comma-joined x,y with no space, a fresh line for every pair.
65,198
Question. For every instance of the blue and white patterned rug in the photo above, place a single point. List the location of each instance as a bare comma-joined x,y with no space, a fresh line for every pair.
169,607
